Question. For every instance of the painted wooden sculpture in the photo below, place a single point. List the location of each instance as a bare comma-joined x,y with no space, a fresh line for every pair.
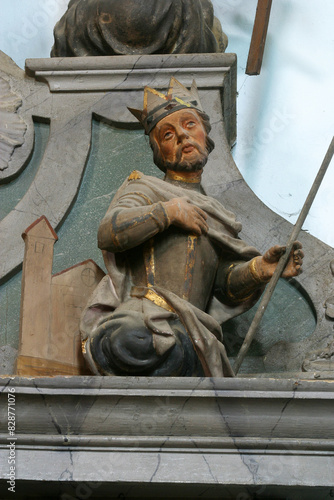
174,259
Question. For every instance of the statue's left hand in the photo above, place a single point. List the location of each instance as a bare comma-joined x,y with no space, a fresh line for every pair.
266,264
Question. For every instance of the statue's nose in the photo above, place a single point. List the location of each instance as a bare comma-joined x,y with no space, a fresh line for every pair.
181,134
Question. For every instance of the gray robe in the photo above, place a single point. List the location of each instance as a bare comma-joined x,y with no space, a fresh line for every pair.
203,327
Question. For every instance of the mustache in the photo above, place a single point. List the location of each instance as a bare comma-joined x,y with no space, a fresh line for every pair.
186,145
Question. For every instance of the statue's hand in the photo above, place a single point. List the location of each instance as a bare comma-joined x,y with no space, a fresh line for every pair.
266,264
183,214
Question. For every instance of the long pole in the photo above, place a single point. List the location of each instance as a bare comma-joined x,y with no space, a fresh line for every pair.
259,35
283,260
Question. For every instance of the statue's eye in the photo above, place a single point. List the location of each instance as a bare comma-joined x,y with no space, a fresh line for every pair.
168,135
191,124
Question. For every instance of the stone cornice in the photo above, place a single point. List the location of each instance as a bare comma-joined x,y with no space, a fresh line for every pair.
105,73
218,413
121,431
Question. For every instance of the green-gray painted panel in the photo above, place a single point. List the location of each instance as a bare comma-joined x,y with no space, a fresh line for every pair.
115,153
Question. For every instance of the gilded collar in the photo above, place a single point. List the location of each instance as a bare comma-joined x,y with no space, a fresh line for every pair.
188,177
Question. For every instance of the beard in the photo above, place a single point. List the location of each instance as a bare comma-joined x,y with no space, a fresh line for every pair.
179,164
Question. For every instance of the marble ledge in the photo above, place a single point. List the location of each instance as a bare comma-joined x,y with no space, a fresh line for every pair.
219,414
170,431
249,385
96,74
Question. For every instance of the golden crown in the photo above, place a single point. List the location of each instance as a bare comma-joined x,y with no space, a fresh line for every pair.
158,105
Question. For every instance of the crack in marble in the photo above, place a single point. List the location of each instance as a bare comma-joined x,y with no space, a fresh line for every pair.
113,408
108,195
229,186
205,460
36,105
4,387
90,408
209,468
251,465
42,198
294,390
128,73
67,471
76,419
47,406
163,443
25,212
156,469
217,122
245,80
242,457
185,402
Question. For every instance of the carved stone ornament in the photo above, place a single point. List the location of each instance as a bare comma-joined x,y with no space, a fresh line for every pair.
12,127
322,360
17,93
329,304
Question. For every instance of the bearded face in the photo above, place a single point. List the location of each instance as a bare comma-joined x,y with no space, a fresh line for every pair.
180,142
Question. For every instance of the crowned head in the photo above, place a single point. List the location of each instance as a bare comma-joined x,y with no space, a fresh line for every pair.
177,127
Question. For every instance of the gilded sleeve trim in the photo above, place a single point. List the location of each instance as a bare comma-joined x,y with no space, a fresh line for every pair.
248,291
255,275
136,193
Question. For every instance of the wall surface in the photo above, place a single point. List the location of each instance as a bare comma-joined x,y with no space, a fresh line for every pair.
285,115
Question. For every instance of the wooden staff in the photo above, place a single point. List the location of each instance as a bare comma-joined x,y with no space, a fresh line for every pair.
259,36
284,259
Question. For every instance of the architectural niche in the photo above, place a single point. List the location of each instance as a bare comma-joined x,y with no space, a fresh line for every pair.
138,436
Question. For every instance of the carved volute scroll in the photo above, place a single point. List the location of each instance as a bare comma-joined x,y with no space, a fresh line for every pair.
12,127
17,95
321,361
329,304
